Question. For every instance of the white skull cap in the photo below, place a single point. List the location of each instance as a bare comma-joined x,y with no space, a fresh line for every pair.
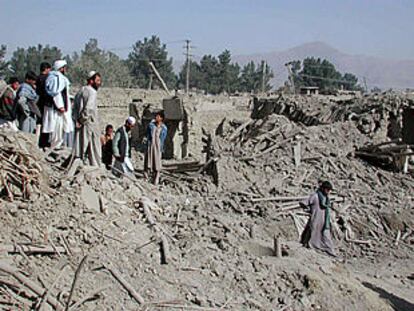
131,120
91,74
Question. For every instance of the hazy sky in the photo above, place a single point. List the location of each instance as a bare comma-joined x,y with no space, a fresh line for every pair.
373,27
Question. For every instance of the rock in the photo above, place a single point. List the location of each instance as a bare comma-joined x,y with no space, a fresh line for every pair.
90,198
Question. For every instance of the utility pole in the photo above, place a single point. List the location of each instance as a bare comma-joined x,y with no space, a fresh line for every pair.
365,84
264,67
290,77
188,61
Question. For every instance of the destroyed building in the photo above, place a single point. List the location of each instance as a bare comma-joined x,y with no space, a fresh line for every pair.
227,240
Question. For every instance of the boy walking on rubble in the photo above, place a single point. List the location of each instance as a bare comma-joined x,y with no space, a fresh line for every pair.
317,233
156,134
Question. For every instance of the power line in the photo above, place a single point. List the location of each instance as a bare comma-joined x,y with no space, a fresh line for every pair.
323,78
176,41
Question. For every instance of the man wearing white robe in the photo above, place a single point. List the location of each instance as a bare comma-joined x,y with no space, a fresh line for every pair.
57,119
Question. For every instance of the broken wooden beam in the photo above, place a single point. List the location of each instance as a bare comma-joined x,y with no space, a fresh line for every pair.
33,249
38,290
128,287
165,248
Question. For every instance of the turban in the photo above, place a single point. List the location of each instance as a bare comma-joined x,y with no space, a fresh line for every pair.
59,64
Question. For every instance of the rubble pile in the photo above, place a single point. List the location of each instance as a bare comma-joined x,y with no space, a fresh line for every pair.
372,113
391,154
21,171
220,233
280,162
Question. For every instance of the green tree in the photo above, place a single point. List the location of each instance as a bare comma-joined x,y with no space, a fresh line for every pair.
264,74
196,77
251,78
323,74
210,72
114,70
248,79
3,63
351,82
228,73
151,50
24,60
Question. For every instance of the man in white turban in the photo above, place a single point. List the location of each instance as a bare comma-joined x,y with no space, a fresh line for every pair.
121,149
57,118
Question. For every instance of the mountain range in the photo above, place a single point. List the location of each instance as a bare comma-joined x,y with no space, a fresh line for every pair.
377,72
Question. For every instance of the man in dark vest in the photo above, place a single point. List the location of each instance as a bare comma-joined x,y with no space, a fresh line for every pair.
121,149
44,100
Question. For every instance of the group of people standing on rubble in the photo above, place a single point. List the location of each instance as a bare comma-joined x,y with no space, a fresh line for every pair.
42,105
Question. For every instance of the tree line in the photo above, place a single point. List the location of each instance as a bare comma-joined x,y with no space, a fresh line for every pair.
322,74
212,74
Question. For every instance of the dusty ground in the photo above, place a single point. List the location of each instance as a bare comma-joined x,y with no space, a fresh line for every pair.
220,239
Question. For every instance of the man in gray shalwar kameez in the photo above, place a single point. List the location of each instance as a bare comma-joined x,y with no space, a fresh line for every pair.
317,233
87,135
26,104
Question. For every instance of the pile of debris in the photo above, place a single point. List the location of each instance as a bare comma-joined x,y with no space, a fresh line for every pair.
21,171
280,162
199,243
372,113
394,155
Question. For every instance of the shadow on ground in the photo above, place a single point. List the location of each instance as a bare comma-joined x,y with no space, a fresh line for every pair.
397,303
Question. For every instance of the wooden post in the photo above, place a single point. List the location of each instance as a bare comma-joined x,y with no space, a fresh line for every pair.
159,78
252,232
277,246
296,154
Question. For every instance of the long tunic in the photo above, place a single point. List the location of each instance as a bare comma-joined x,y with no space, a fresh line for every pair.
27,110
156,137
125,166
87,143
55,122
316,234
154,151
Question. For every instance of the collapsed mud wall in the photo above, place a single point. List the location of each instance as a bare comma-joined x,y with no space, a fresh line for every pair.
388,115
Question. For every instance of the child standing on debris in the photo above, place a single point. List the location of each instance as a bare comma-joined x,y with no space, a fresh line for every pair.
156,134
106,145
317,233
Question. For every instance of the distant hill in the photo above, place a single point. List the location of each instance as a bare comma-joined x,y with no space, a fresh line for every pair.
381,72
